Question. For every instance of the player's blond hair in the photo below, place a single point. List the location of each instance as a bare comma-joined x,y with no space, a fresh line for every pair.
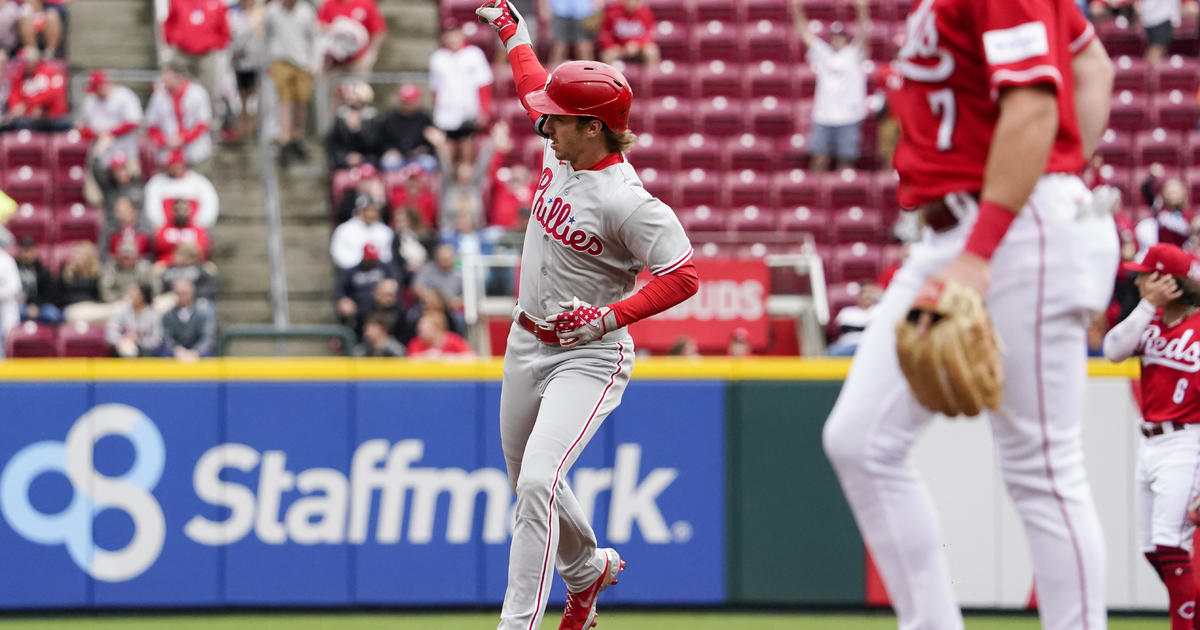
613,141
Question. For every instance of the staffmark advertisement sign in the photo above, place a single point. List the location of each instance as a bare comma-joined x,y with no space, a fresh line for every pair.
400,498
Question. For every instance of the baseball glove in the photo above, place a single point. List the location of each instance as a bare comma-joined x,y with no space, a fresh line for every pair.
948,351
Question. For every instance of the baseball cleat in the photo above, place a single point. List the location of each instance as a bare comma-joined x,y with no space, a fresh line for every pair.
580,611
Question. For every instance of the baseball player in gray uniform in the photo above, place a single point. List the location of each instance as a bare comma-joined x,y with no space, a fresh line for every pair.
593,228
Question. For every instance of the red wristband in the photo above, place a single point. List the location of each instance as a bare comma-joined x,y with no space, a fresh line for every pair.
990,228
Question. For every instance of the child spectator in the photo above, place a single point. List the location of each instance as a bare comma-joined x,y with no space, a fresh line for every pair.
377,342
180,230
79,285
126,231
627,33
42,25
37,99
136,329
355,287
350,238
355,29
179,116
852,321
433,340
126,269
180,183
197,32
292,51
461,80
190,327
111,115
354,138
249,55
573,23
37,285
405,133
188,266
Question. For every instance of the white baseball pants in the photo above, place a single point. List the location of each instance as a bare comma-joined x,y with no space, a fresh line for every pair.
1168,478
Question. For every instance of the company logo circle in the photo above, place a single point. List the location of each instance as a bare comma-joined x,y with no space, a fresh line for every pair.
93,492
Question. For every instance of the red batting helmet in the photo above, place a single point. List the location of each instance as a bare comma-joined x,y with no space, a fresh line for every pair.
586,88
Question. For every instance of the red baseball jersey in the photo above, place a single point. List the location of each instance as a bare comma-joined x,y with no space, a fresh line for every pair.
620,26
365,12
1171,370
957,56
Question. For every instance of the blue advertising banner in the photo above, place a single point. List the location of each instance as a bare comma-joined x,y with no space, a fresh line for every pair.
208,494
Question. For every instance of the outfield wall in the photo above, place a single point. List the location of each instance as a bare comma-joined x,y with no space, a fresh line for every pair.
242,482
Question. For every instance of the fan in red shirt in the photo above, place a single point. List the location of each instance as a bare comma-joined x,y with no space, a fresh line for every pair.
627,32
38,99
1164,330
180,230
434,340
343,22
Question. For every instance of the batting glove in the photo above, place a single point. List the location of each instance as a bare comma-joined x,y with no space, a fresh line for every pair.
582,322
507,21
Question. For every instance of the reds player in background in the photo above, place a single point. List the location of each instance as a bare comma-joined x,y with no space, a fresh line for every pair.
1000,102
592,228
1164,329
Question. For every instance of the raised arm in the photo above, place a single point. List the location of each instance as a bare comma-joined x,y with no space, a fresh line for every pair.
863,38
528,72
1157,291
801,19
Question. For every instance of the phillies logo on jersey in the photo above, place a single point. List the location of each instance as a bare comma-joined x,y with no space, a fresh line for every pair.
555,217
1176,353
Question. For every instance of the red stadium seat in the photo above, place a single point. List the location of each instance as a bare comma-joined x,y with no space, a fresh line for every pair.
532,148
1176,110
1192,146
25,148
747,188
1178,73
752,219
28,185
717,40
69,185
711,249
341,182
635,74
1161,147
669,117
1186,41
459,10
766,78
698,187
30,340
1116,147
699,151
718,78
750,151
893,254
482,36
721,117
660,185
859,261
883,192
673,41
1191,177
670,79
804,81
512,112
849,188
805,219
718,10
792,152
79,223
1121,38
856,224
36,222
773,10
822,10
765,40
1131,74
68,149
772,118
797,188
841,295
1130,112
81,340
671,10
702,219
651,152
881,44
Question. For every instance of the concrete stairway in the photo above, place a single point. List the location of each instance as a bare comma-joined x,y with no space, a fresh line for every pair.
112,34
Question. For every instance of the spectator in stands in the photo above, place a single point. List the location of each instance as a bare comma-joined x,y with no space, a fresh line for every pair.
462,182
136,329
461,80
354,138
126,230
417,193
350,238
385,306
248,48
377,341
512,195
839,104
42,25
368,183
10,36
685,346
79,285
180,230
37,99
355,287
408,252
354,30
111,116
190,327
405,132
126,269
117,177
37,285
188,266
852,321
739,344
180,183
10,296
1172,220
442,276
292,51
1160,18
433,340
627,33
198,32
179,116
573,23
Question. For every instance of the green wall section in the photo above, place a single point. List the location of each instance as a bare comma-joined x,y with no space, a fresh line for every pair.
792,539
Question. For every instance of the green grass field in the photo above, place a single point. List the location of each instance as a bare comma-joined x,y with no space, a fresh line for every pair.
613,621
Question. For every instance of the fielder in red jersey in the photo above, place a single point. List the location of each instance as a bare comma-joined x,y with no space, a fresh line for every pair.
1164,329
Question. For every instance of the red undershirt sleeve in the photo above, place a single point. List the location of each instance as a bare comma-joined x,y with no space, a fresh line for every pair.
124,128
485,99
660,294
528,74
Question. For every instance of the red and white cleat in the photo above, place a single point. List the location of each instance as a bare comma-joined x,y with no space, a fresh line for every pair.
580,611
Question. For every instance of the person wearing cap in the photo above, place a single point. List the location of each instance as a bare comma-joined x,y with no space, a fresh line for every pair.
110,116
406,131
179,116
179,182
840,102
461,80
37,99
354,138
1164,331
37,285
352,294
368,183
293,56
366,14
198,33
349,240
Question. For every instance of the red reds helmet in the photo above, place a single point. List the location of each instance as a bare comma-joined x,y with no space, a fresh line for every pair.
586,88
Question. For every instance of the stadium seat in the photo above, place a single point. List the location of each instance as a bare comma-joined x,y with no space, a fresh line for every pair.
717,40
1130,74
669,117
81,340
765,40
671,10
340,182
858,261
79,223
773,10
30,340
68,149
804,81
721,117
635,74
849,188
698,187
752,219
699,151
68,185
1116,147
855,224
35,221
670,79
805,219
797,188
718,78
482,36
702,219
1192,147
25,148
1176,110
841,295
1121,38
710,249
651,152
1178,73
531,150
512,112
893,254
459,10
750,151
660,185
792,152
1191,177
28,185
821,10
673,41
746,188
771,118
1159,146
1130,112
883,192
766,78
717,10
881,45
1186,41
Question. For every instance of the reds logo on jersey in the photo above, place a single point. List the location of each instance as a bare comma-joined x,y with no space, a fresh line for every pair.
1177,354
556,218
920,58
